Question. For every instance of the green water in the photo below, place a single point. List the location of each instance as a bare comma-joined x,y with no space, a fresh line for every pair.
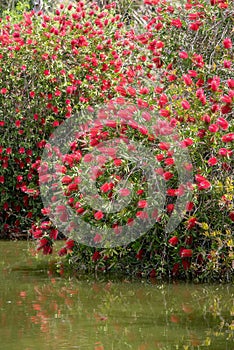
42,311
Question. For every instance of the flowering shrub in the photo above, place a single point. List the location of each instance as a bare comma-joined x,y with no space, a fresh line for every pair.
53,67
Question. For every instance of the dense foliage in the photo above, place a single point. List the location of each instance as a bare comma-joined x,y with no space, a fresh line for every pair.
176,63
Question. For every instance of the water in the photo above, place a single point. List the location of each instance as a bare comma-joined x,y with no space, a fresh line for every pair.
41,311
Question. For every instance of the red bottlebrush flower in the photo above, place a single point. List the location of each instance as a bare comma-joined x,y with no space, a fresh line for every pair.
189,206
214,84
57,93
131,91
183,55
111,123
158,90
176,23
226,99
97,238
117,229
167,175
152,273
226,109
154,215
163,100
117,162
3,91
227,64
191,223
121,90
204,185
21,150
99,215
69,89
226,167
212,161
106,187
228,137
53,233
17,123
37,233
186,264
55,123
80,210
124,192
143,130
140,192
195,26
185,104
164,145
144,91
223,152
164,113
96,256
172,77
199,178
186,143
231,215
32,94
130,222
142,215
222,123
206,118
192,73
19,178
142,203
174,240
47,249
172,192
186,253
70,244
62,251
42,243
188,240
187,79
63,217
227,43
66,179
175,269
159,157
170,208
198,60
141,103
88,158
230,83
2,179
5,206
169,161
72,187
139,255
60,208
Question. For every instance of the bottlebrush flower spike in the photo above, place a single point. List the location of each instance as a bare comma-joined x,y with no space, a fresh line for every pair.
227,43
186,253
174,240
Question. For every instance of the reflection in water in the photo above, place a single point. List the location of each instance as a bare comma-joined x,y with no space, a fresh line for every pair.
41,311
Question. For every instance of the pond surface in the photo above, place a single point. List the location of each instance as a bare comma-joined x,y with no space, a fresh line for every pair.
41,311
